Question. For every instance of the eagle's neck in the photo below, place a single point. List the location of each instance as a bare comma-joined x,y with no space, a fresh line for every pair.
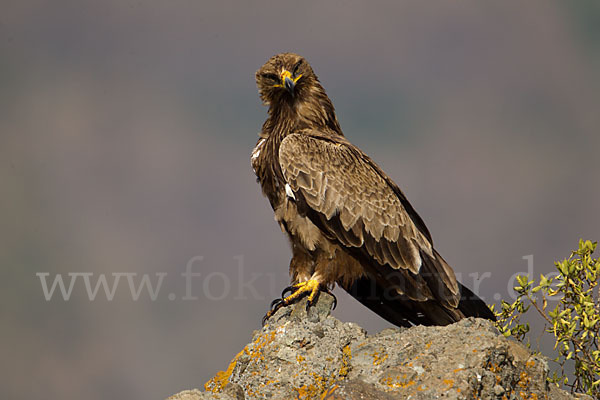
311,109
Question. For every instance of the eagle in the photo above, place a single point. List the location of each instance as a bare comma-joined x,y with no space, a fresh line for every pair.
346,220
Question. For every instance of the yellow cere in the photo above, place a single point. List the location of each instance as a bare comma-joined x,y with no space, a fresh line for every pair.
287,74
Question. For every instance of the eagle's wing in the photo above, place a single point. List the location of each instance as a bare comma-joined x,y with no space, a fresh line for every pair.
349,197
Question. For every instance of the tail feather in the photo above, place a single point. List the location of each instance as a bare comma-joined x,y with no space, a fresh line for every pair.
472,306
402,311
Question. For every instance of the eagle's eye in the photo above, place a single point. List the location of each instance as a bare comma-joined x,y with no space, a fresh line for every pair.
271,77
296,68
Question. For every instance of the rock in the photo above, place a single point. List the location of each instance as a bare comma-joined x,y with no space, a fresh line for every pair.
300,355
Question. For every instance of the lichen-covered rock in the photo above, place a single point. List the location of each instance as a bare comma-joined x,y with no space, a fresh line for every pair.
315,356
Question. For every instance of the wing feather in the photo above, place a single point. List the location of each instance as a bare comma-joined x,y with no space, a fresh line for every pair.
363,209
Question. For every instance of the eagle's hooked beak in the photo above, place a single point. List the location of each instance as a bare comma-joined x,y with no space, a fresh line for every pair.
288,81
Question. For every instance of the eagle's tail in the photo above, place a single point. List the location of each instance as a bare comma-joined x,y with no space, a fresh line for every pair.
472,306
402,311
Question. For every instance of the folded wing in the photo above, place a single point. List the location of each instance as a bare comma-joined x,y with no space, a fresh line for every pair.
355,203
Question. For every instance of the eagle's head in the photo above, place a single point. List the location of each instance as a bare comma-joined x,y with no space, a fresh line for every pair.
288,85
285,77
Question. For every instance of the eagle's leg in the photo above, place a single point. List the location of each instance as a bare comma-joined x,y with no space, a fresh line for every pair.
311,288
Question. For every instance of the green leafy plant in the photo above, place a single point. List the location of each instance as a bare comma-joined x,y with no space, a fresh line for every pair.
574,322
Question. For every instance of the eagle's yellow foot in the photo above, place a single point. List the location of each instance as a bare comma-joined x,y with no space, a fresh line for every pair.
311,288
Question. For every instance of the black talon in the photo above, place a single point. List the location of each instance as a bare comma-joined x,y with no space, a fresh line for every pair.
298,292
287,289
276,303
334,301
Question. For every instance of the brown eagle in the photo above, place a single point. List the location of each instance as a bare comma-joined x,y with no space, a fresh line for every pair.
347,221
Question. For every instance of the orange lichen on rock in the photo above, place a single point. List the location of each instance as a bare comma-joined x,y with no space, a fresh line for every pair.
218,382
378,357
495,368
316,389
396,382
254,350
346,357
329,392
525,380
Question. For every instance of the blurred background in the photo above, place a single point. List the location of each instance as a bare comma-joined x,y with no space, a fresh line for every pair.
125,136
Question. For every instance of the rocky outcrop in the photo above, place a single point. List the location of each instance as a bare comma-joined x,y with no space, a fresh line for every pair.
300,355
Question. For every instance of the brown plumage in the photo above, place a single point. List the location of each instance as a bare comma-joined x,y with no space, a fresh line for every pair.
347,221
